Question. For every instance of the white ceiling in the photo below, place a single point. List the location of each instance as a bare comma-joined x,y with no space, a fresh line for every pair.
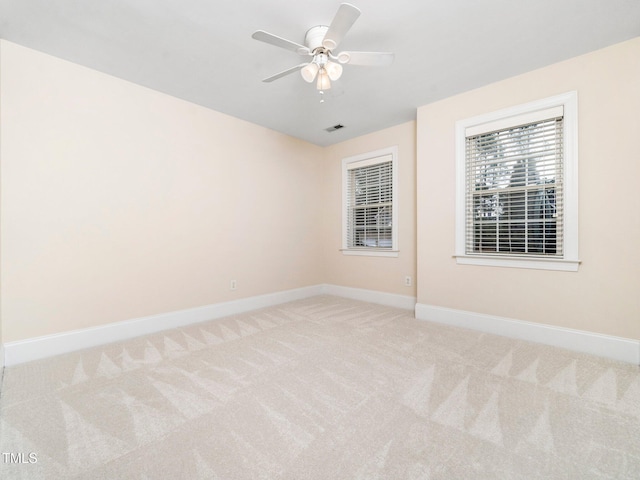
202,51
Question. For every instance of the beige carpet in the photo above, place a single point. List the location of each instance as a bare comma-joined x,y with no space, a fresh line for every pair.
324,388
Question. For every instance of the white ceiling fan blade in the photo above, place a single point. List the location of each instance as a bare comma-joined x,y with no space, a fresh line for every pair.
272,39
285,73
370,59
345,17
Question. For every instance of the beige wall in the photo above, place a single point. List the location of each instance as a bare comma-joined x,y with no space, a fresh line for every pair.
119,202
372,273
1,282
604,295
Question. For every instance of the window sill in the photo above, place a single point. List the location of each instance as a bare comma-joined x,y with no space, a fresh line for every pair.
370,252
536,263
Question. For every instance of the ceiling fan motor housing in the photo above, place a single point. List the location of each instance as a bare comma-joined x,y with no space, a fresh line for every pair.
314,37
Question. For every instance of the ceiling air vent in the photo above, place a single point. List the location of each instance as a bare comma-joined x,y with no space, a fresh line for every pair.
334,128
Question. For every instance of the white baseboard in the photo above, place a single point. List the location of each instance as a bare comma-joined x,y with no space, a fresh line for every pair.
50,345
616,348
372,296
622,349
1,361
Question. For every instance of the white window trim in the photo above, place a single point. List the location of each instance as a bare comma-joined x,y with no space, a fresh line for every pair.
364,159
570,261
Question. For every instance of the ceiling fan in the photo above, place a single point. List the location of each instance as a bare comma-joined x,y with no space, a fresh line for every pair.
320,43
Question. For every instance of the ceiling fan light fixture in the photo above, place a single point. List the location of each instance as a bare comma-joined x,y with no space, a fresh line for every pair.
334,70
323,80
309,72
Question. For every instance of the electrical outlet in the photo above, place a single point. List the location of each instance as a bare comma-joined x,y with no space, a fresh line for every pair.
233,285
408,281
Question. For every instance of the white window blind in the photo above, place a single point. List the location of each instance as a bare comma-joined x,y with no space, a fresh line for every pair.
514,200
369,204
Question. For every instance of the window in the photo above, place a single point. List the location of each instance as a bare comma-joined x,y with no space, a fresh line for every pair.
369,186
517,186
